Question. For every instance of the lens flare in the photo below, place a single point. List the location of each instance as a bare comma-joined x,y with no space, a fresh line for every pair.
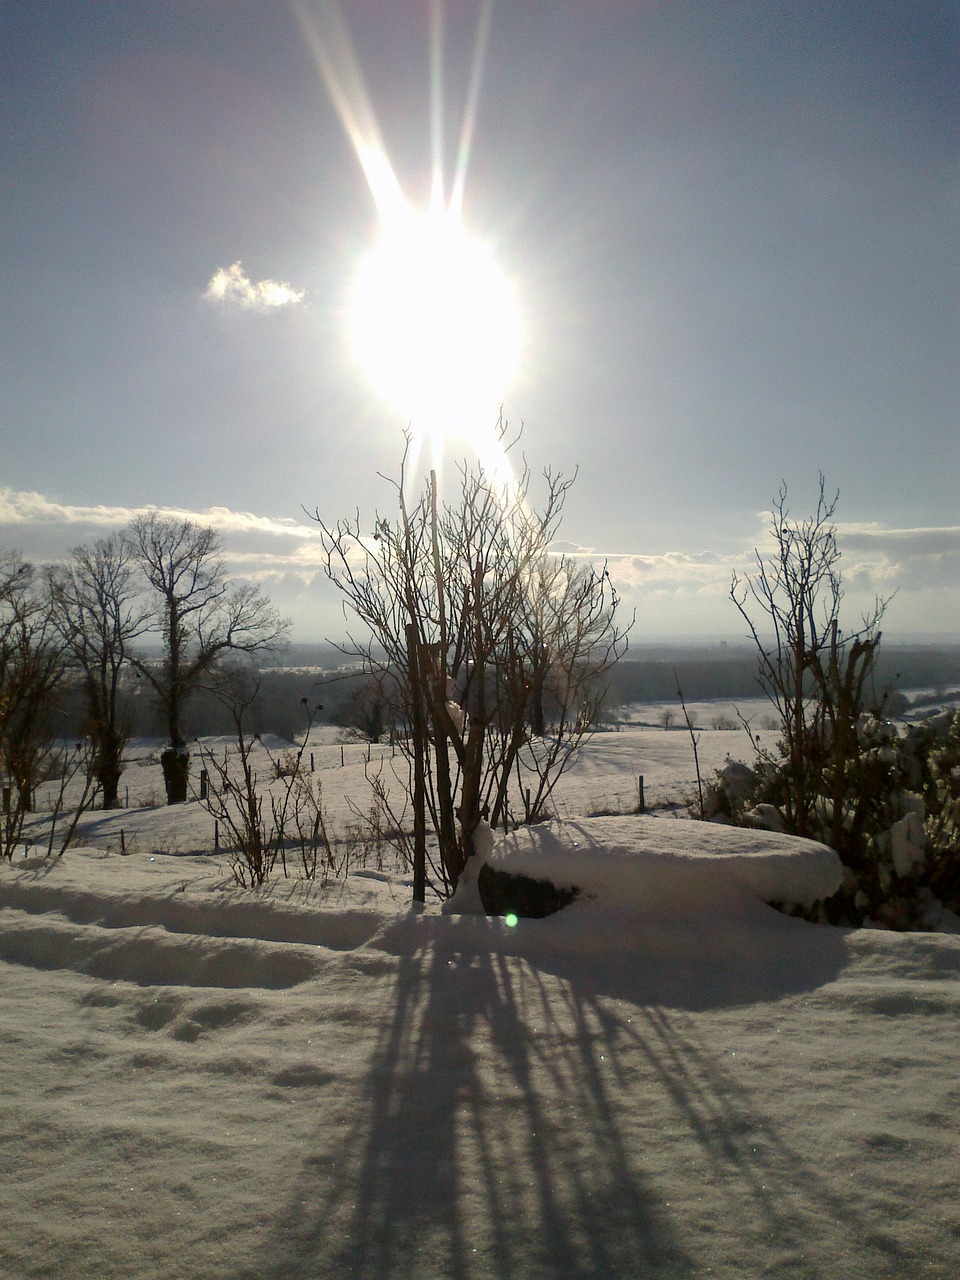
434,321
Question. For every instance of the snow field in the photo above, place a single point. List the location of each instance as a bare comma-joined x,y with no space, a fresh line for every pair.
666,1079
603,780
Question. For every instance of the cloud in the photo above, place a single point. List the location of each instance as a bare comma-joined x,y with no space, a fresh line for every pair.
917,570
906,560
671,571
944,540
45,529
232,286
22,507
673,592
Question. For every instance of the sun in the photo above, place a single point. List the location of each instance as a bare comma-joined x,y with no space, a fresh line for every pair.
434,323
433,320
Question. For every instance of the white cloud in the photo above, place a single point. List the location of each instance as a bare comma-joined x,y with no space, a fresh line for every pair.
673,592
928,540
904,560
22,507
232,285
44,529
918,570
702,572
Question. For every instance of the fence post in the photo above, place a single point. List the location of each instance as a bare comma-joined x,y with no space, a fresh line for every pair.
203,784
643,805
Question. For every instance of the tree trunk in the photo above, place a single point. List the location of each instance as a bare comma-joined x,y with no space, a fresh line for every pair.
108,775
176,770
419,781
109,746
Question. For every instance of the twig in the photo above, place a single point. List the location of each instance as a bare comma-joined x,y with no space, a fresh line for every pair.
694,740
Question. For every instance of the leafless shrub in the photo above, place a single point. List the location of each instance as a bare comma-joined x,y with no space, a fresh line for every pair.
260,824
488,650
823,778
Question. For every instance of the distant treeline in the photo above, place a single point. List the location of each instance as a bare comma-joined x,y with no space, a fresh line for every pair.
331,696
735,675
286,700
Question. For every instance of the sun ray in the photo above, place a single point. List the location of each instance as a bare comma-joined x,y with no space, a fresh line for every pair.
437,183
468,123
328,39
434,319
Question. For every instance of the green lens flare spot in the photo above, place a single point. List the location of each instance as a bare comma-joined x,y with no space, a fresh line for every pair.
511,920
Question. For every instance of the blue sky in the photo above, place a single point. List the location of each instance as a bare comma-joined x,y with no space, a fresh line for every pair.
731,230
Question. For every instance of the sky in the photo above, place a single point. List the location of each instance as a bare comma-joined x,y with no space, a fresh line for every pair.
725,240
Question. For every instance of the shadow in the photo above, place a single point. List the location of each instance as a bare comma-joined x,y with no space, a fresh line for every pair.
782,1198
528,1123
753,957
491,1143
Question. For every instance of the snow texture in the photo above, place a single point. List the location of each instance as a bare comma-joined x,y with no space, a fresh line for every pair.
666,1079
669,868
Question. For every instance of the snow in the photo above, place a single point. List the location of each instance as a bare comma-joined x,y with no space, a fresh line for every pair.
665,867
668,1078
907,843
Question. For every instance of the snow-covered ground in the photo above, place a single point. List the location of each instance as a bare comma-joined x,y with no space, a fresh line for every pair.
604,780
666,1079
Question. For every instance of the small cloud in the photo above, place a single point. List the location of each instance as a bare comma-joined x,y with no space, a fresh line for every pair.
232,285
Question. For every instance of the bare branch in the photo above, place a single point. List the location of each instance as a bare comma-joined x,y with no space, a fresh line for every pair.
495,648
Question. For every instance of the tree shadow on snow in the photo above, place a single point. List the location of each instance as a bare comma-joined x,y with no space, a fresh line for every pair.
490,1143
513,1114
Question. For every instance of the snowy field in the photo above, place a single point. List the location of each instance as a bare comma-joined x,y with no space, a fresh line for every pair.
604,780
666,1079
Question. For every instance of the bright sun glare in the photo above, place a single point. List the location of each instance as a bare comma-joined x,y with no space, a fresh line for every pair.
434,323
433,319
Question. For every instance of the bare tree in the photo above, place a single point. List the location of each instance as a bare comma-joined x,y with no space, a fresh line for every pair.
32,670
817,677
366,710
490,649
200,616
99,610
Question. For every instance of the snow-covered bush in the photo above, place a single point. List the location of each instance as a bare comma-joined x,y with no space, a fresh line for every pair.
898,834
842,773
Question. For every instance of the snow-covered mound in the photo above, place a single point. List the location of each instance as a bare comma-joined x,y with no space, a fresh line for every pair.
657,867
182,921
